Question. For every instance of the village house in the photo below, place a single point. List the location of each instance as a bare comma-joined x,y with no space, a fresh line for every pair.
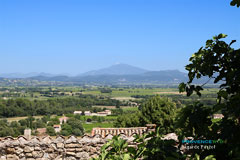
109,112
57,128
63,120
94,114
87,113
77,112
133,104
41,131
102,114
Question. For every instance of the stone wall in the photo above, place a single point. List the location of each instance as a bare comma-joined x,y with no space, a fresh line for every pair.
48,148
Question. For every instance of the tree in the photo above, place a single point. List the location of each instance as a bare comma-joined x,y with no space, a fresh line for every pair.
51,131
159,111
73,126
128,120
118,104
235,3
30,120
220,62
66,130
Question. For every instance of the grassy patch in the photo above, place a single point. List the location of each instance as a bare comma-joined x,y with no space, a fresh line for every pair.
88,127
20,118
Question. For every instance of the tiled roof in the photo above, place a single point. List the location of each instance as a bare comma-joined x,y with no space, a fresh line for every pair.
116,131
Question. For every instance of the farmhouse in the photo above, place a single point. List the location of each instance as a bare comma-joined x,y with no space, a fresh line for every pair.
102,114
94,114
41,131
57,128
77,112
63,120
87,113
109,112
133,104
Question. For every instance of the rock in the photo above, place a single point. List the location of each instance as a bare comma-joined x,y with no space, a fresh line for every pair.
59,157
3,158
35,141
2,145
71,139
130,139
79,149
93,150
22,156
172,136
10,150
109,136
70,158
53,155
73,145
12,157
22,141
82,155
53,146
46,155
37,154
8,143
60,150
50,150
70,153
18,150
29,155
15,143
59,139
60,145
85,139
37,149
86,148
28,149
47,140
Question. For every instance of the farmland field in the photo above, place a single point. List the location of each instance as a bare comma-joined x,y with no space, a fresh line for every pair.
20,118
88,127
65,100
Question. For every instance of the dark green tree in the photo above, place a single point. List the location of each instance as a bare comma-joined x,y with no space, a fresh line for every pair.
51,131
128,120
159,111
220,62
235,3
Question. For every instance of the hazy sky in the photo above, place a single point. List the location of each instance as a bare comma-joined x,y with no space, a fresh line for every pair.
74,36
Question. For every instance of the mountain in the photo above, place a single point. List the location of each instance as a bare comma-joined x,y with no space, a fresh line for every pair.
161,77
115,74
118,69
27,75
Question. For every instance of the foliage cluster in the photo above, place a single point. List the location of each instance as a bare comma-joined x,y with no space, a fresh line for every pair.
156,110
218,61
58,106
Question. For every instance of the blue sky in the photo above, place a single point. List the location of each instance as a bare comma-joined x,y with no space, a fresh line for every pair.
74,36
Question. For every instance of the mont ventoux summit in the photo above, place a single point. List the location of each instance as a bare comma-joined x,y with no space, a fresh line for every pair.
118,73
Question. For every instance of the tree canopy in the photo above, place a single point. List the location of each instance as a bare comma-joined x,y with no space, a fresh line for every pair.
159,111
220,62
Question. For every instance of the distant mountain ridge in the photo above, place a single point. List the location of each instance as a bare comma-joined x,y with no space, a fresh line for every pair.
117,69
27,75
117,74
